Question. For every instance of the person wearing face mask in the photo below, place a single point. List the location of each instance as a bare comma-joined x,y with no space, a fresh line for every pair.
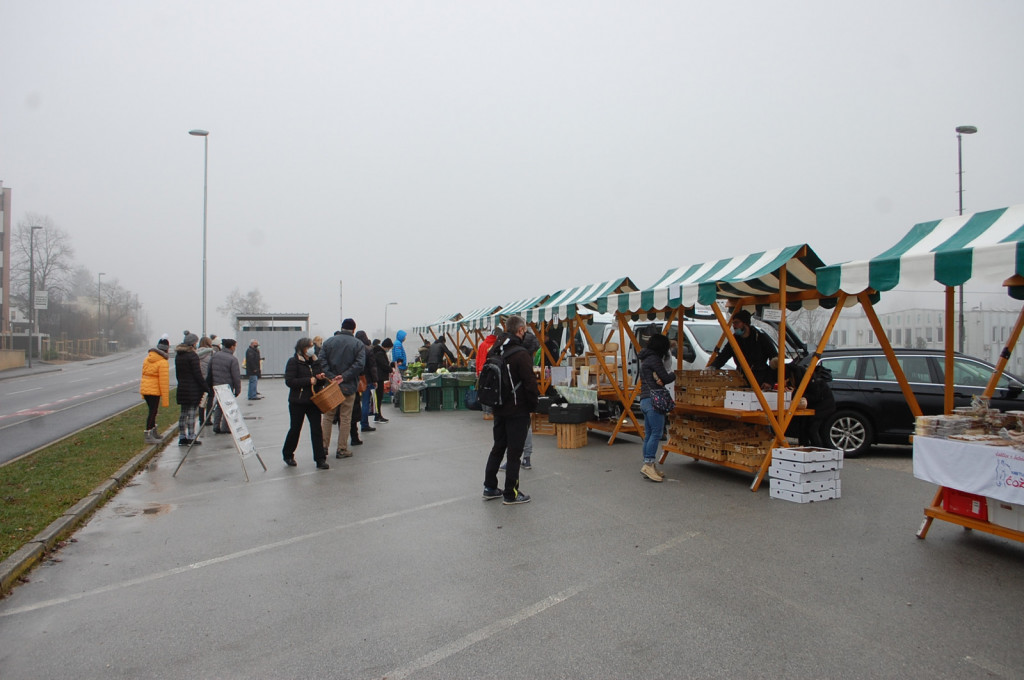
301,374
757,347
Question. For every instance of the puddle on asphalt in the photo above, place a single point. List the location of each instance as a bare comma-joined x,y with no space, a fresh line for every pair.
152,510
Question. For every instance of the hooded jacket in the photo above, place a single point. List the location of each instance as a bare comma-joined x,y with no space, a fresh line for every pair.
398,351
156,376
191,383
482,350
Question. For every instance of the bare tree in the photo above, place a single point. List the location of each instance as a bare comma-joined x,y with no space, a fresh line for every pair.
237,303
809,324
54,260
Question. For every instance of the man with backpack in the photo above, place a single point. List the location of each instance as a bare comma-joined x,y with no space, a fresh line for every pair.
516,398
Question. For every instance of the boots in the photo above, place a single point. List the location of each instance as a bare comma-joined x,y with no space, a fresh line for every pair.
153,437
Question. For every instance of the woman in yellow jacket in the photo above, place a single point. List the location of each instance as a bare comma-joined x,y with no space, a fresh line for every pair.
156,385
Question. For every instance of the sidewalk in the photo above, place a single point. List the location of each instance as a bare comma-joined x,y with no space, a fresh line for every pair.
391,565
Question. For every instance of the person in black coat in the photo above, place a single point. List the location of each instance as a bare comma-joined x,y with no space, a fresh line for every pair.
379,353
191,388
436,355
301,374
512,418
758,349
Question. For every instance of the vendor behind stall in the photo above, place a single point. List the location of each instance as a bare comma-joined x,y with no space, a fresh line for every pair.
757,347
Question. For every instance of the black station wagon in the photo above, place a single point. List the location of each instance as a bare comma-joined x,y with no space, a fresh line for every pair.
871,409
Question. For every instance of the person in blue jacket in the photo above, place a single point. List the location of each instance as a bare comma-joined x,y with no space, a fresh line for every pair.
398,351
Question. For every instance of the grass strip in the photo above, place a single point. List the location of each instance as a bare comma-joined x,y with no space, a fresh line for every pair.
38,489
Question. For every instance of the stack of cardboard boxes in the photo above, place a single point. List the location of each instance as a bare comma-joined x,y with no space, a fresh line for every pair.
805,474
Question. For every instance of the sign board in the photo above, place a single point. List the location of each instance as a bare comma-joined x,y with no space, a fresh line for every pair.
771,315
42,299
233,415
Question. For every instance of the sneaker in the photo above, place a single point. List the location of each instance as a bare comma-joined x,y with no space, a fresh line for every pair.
357,442
520,498
195,442
182,442
290,462
652,473
322,465
342,454
380,419
367,428
526,464
490,494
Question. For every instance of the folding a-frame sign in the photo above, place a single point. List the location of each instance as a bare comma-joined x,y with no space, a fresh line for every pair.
783,278
988,245
570,306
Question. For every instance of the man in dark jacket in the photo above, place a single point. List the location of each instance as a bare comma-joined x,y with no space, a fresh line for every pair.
342,359
380,358
512,418
224,370
191,387
435,356
758,349
252,368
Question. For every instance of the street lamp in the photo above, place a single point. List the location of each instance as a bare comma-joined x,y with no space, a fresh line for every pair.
31,289
99,309
386,317
206,148
961,130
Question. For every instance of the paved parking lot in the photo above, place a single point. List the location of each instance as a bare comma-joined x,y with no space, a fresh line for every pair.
390,565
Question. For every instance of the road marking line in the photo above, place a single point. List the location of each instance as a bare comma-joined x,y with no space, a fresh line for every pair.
668,545
33,389
227,558
481,634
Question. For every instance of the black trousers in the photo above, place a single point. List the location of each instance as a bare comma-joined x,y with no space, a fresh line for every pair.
509,437
310,412
153,402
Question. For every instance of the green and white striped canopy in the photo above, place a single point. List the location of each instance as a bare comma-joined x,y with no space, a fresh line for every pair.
436,324
469,319
744,276
517,307
565,304
987,244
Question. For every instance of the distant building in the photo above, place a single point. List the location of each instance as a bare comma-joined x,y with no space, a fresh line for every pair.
986,332
5,261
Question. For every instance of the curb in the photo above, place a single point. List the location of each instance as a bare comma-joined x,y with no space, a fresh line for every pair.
32,553
28,372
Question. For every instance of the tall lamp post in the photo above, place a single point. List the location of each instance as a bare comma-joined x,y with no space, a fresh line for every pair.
206,148
961,130
99,307
386,317
31,289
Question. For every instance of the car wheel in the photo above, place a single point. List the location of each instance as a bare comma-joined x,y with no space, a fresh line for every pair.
849,431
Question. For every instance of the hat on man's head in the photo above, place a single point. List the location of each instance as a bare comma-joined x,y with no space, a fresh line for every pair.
191,339
742,315
348,325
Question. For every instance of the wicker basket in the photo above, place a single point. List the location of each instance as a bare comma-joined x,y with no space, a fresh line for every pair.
328,398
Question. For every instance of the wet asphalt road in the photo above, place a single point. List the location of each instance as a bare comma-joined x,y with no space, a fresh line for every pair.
391,565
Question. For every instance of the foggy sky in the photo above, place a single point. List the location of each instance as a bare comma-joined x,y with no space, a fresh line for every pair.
453,155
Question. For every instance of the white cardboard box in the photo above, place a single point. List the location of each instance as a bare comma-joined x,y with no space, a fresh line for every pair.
816,466
1009,515
810,497
793,476
807,454
803,487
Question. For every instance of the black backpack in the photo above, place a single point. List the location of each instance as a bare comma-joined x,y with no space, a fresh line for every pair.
495,387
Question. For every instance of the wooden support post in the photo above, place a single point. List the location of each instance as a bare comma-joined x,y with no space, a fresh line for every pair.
1004,356
883,340
947,401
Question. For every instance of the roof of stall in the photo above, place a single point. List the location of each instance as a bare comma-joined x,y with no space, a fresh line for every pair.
565,304
986,244
447,317
517,307
743,276
467,320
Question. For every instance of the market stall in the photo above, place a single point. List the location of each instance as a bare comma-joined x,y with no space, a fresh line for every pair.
602,361
987,245
704,427
464,333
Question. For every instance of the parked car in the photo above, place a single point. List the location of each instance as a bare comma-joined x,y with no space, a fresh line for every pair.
871,408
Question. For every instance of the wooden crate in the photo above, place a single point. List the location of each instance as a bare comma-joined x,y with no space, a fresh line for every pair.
571,435
540,424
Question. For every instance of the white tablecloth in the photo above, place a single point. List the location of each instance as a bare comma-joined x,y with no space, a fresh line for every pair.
994,471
